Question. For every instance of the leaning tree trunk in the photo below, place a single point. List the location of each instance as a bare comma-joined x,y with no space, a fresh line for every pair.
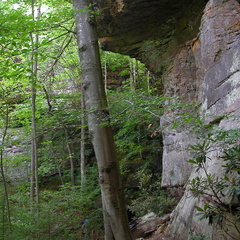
114,209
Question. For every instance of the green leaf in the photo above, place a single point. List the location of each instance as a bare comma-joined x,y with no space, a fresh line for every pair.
206,207
192,161
198,209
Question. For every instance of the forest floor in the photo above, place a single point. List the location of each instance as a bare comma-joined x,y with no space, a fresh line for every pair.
151,228
158,236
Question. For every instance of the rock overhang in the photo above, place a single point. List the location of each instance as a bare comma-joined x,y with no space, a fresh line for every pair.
149,30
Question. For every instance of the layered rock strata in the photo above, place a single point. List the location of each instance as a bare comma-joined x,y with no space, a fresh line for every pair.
216,52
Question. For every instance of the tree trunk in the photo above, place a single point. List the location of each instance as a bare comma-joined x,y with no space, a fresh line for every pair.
148,81
69,155
105,75
3,173
34,188
82,153
132,75
114,208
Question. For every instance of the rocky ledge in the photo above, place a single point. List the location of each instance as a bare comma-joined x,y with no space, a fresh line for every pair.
148,30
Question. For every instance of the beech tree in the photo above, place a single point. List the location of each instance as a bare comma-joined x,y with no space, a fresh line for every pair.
114,208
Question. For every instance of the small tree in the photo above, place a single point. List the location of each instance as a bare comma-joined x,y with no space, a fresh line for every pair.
5,115
34,188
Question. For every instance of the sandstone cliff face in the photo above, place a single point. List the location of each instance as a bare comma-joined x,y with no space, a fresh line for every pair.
217,58
194,46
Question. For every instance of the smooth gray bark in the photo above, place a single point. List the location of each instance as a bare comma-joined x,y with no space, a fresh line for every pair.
34,186
82,157
69,155
114,208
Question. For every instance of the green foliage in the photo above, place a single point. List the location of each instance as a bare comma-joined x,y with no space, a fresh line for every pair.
211,213
200,151
4,226
61,211
201,237
232,159
151,198
116,61
135,118
213,188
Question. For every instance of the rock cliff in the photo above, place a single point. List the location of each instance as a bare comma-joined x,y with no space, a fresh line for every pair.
194,47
